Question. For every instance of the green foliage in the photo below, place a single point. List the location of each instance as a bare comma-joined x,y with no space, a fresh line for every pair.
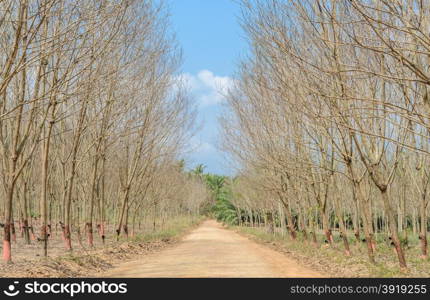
223,210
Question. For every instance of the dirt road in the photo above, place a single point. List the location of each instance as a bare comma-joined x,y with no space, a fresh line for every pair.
211,251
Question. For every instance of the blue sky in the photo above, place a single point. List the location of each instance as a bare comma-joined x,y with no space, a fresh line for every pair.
212,42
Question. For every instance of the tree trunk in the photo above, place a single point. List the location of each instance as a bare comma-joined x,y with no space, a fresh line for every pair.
12,229
89,224
43,204
366,217
123,209
356,221
326,226
393,229
423,226
125,226
342,227
290,221
7,251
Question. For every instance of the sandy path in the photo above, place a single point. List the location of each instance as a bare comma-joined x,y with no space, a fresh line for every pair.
212,251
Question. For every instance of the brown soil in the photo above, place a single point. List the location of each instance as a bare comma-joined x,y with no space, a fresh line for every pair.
211,251
81,265
21,252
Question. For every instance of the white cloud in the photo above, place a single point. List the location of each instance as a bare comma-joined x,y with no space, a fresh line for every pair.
208,88
217,83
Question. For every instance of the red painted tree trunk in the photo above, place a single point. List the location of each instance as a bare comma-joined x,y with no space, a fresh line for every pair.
7,251
32,236
67,238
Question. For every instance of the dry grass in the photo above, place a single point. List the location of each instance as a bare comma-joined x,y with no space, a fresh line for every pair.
84,262
333,261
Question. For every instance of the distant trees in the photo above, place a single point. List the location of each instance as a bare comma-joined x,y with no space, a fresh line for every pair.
329,118
92,119
220,196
